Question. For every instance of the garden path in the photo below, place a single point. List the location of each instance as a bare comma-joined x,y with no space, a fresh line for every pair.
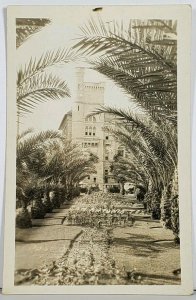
149,249
45,241
145,246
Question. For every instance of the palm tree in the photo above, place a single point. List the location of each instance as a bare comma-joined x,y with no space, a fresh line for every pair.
125,169
151,158
27,155
48,162
34,84
143,67
67,164
26,177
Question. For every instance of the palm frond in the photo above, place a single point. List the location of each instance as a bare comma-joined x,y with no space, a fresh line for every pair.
157,35
26,27
39,89
149,130
100,38
24,134
146,72
151,144
38,65
153,90
28,145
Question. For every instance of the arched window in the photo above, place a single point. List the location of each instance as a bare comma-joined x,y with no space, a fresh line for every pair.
90,130
90,119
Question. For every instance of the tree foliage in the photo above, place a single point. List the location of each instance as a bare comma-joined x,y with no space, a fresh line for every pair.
35,85
143,67
48,158
25,27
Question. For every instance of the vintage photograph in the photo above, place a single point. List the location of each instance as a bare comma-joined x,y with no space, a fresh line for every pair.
97,181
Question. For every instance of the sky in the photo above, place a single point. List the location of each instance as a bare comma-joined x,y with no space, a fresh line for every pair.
62,33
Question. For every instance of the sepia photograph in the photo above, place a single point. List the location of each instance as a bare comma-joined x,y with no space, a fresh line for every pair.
96,198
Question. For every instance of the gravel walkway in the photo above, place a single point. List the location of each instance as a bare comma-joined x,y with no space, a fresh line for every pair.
46,241
145,246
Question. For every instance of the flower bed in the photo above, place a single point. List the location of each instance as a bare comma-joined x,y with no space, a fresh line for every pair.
86,263
102,210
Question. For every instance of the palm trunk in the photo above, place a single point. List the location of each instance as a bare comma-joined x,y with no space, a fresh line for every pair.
38,211
155,204
175,225
48,203
122,188
166,207
23,218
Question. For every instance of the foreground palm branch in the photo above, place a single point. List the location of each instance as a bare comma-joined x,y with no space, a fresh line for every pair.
38,89
35,86
26,27
142,67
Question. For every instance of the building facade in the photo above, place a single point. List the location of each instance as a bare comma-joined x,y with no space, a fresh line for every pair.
91,131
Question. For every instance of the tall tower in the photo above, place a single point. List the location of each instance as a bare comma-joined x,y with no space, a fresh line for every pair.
88,130
79,84
78,106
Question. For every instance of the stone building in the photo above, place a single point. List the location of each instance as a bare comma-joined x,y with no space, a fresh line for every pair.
91,131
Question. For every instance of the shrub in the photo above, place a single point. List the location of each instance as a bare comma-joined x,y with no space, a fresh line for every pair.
76,192
140,193
62,195
175,225
48,205
23,219
152,203
83,190
95,188
38,210
114,189
47,202
155,206
166,207
55,199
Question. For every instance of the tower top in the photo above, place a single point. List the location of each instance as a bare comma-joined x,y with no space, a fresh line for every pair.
88,92
80,75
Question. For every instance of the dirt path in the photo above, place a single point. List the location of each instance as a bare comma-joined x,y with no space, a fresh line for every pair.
145,246
148,248
45,241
